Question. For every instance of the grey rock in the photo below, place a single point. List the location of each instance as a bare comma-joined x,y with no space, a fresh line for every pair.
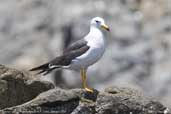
84,108
126,101
77,101
17,87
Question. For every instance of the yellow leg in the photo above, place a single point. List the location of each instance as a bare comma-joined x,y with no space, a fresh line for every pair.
83,75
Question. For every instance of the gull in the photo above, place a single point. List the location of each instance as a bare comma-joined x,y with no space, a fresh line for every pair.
81,54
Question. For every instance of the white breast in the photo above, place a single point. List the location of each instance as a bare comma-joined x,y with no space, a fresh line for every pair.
97,47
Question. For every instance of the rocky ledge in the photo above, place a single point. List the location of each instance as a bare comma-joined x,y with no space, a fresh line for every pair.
21,93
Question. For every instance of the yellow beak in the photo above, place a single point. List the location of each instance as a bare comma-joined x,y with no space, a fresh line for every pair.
105,27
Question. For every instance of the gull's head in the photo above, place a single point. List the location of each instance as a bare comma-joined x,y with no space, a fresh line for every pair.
99,23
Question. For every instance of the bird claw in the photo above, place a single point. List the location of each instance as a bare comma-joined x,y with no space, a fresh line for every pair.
89,90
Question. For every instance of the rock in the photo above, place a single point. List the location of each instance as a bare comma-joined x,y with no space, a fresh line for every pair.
18,87
126,101
77,101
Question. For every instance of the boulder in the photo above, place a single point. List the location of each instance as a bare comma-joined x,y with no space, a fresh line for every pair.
113,100
17,87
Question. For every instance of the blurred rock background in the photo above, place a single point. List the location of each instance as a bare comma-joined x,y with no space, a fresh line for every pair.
139,44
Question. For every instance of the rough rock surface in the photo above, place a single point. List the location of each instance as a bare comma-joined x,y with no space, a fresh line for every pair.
18,87
76,101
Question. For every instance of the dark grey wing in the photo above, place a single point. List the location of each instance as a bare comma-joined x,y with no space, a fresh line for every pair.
76,49
76,45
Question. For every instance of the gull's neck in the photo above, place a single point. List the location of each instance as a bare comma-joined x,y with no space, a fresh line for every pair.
95,37
96,30
95,34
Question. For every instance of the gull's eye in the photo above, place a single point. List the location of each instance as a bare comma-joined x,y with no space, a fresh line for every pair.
97,21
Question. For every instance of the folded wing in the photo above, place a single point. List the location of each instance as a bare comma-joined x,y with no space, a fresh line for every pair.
75,50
